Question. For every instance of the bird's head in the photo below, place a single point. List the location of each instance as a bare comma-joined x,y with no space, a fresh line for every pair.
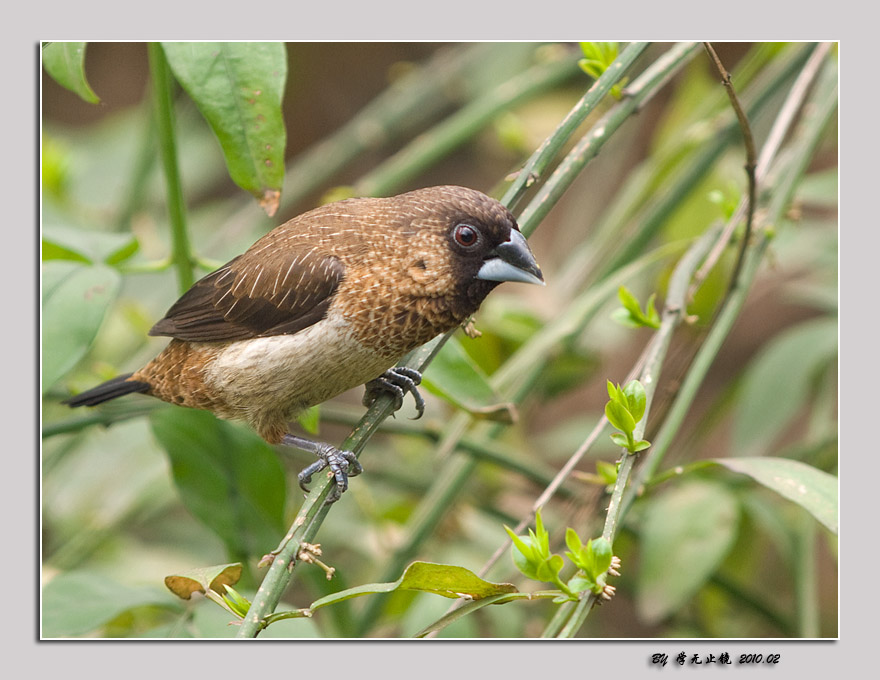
461,243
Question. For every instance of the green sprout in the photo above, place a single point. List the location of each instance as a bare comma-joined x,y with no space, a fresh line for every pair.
598,56
594,561
624,410
532,556
631,313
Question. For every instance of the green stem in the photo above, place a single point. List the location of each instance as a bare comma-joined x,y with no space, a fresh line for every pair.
314,508
641,90
535,167
806,578
619,240
654,356
426,149
648,82
181,251
483,449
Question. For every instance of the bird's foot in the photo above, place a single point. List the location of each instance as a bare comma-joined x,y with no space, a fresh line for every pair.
342,464
397,381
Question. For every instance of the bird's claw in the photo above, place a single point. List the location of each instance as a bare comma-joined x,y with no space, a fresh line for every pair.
397,382
342,464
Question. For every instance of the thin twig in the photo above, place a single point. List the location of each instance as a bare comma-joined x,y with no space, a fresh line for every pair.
810,128
777,134
652,359
751,156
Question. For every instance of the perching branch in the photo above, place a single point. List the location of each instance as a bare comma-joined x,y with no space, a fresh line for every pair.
313,511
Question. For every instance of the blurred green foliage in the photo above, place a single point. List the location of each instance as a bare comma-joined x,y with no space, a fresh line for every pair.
157,490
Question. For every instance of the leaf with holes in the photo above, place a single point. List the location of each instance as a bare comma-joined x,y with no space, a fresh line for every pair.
239,88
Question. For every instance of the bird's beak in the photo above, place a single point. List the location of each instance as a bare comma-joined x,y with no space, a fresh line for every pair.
512,261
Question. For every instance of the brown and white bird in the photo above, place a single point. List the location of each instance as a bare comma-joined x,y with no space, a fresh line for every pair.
328,301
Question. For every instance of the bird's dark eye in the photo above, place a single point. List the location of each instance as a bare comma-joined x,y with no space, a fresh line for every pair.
465,235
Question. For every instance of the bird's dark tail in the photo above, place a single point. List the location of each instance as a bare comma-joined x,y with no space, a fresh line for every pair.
117,387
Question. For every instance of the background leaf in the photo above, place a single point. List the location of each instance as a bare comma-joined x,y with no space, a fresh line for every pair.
687,532
239,87
78,602
75,301
812,489
65,62
456,377
777,383
227,476
61,242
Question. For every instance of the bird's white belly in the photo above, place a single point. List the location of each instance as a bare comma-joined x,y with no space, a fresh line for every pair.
288,373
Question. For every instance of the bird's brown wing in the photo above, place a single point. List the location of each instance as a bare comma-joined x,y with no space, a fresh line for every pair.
255,297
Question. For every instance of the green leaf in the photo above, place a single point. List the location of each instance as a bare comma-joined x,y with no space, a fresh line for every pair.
49,250
777,383
598,56
440,579
614,392
80,602
641,445
636,400
629,301
619,417
573,541
65,62
55,164
624,318
599,550
523,544
310,419
620,440
457,378
687,532
202,579
608,471
812,489
542,535
239,88
75,301
524,557
228,477
632,315
652,317
237,603
86,245
548,570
